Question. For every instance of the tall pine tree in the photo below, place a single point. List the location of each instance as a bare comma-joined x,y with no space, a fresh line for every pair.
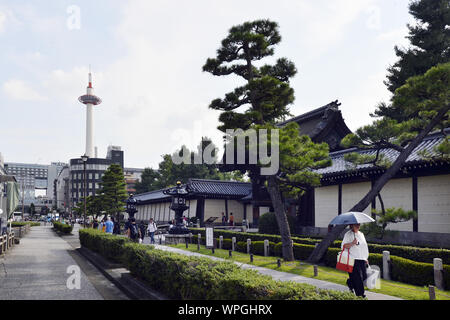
430,45
260,103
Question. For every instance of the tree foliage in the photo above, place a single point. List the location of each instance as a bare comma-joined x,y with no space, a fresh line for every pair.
260,103
113,193
430,45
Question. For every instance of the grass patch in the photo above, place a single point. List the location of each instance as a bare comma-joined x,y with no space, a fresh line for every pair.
392,288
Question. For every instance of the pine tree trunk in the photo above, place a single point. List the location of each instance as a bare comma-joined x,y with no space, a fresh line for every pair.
322,248
280,213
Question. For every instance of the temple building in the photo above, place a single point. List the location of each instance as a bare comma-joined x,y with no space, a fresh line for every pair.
421,185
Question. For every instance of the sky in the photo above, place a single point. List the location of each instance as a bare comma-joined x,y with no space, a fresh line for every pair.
146,59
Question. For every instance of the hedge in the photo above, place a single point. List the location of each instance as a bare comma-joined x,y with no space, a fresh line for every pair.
16,224
402,270
413,253
184,277
62,227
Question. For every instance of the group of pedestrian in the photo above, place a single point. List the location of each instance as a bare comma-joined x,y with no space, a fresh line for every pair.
106,225
229,221
136,233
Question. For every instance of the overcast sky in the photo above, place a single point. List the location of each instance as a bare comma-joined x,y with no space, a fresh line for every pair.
147,56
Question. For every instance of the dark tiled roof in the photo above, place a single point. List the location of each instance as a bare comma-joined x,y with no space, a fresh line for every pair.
203,187
220,188
340,166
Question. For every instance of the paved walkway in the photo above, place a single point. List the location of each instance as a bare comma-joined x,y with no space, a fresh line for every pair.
36,269
282,276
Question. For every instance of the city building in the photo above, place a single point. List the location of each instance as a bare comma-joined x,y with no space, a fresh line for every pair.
30,177
132,176
53,171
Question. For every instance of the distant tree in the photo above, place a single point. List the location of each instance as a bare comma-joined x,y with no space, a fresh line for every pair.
425,101
150,180
195,167
430,45
113,192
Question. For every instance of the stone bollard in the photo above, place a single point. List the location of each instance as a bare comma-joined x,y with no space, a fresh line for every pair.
230,253
316,271
220,242
266,248
233,243
199,237
251,257
432,292
438,273
187,245
278,263
386,265
249,243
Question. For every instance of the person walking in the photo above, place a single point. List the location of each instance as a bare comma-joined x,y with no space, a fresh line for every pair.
151,230
224,219
109,226
95,224
116,229
133,232
231,219
355,241
103,228
142,229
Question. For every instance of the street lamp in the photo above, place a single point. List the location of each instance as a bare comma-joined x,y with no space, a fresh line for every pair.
179,194
84,158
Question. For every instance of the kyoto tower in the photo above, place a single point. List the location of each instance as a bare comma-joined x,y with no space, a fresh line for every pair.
90,100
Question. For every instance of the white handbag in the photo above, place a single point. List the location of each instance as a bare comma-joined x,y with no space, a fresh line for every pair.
373,278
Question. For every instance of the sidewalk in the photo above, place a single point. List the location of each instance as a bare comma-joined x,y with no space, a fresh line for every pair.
36,269
282,276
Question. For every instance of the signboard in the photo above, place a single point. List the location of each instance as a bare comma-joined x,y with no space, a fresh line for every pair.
209,238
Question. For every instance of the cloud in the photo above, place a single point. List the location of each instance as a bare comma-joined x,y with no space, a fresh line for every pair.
2,21
19,90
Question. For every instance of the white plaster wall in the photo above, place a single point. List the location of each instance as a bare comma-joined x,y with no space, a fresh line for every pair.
249,213
397,193
238,210
192,208
352,193
214,208
434,203
326,205
263,210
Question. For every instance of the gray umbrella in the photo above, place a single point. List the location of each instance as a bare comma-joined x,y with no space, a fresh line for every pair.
352,218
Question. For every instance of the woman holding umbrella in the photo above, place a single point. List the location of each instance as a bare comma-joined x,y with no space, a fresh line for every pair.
355,241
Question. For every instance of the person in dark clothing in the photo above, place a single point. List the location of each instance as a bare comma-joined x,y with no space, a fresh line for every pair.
95,224
142,228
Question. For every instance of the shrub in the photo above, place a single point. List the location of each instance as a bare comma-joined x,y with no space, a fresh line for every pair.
183,277
62,227
16,224
268,224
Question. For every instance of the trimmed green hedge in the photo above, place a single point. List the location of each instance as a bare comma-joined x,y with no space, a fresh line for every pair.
16,224
402,270
184,277
413,253
62,227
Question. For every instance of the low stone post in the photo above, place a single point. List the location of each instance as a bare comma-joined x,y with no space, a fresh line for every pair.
386,265
432,292
316,271
249,243
220,242
278,263
233,243
251,257
266,248
230,253
199,237
438,273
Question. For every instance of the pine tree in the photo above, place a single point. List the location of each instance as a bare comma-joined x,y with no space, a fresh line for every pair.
113,191
430,45
266,95
425,101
